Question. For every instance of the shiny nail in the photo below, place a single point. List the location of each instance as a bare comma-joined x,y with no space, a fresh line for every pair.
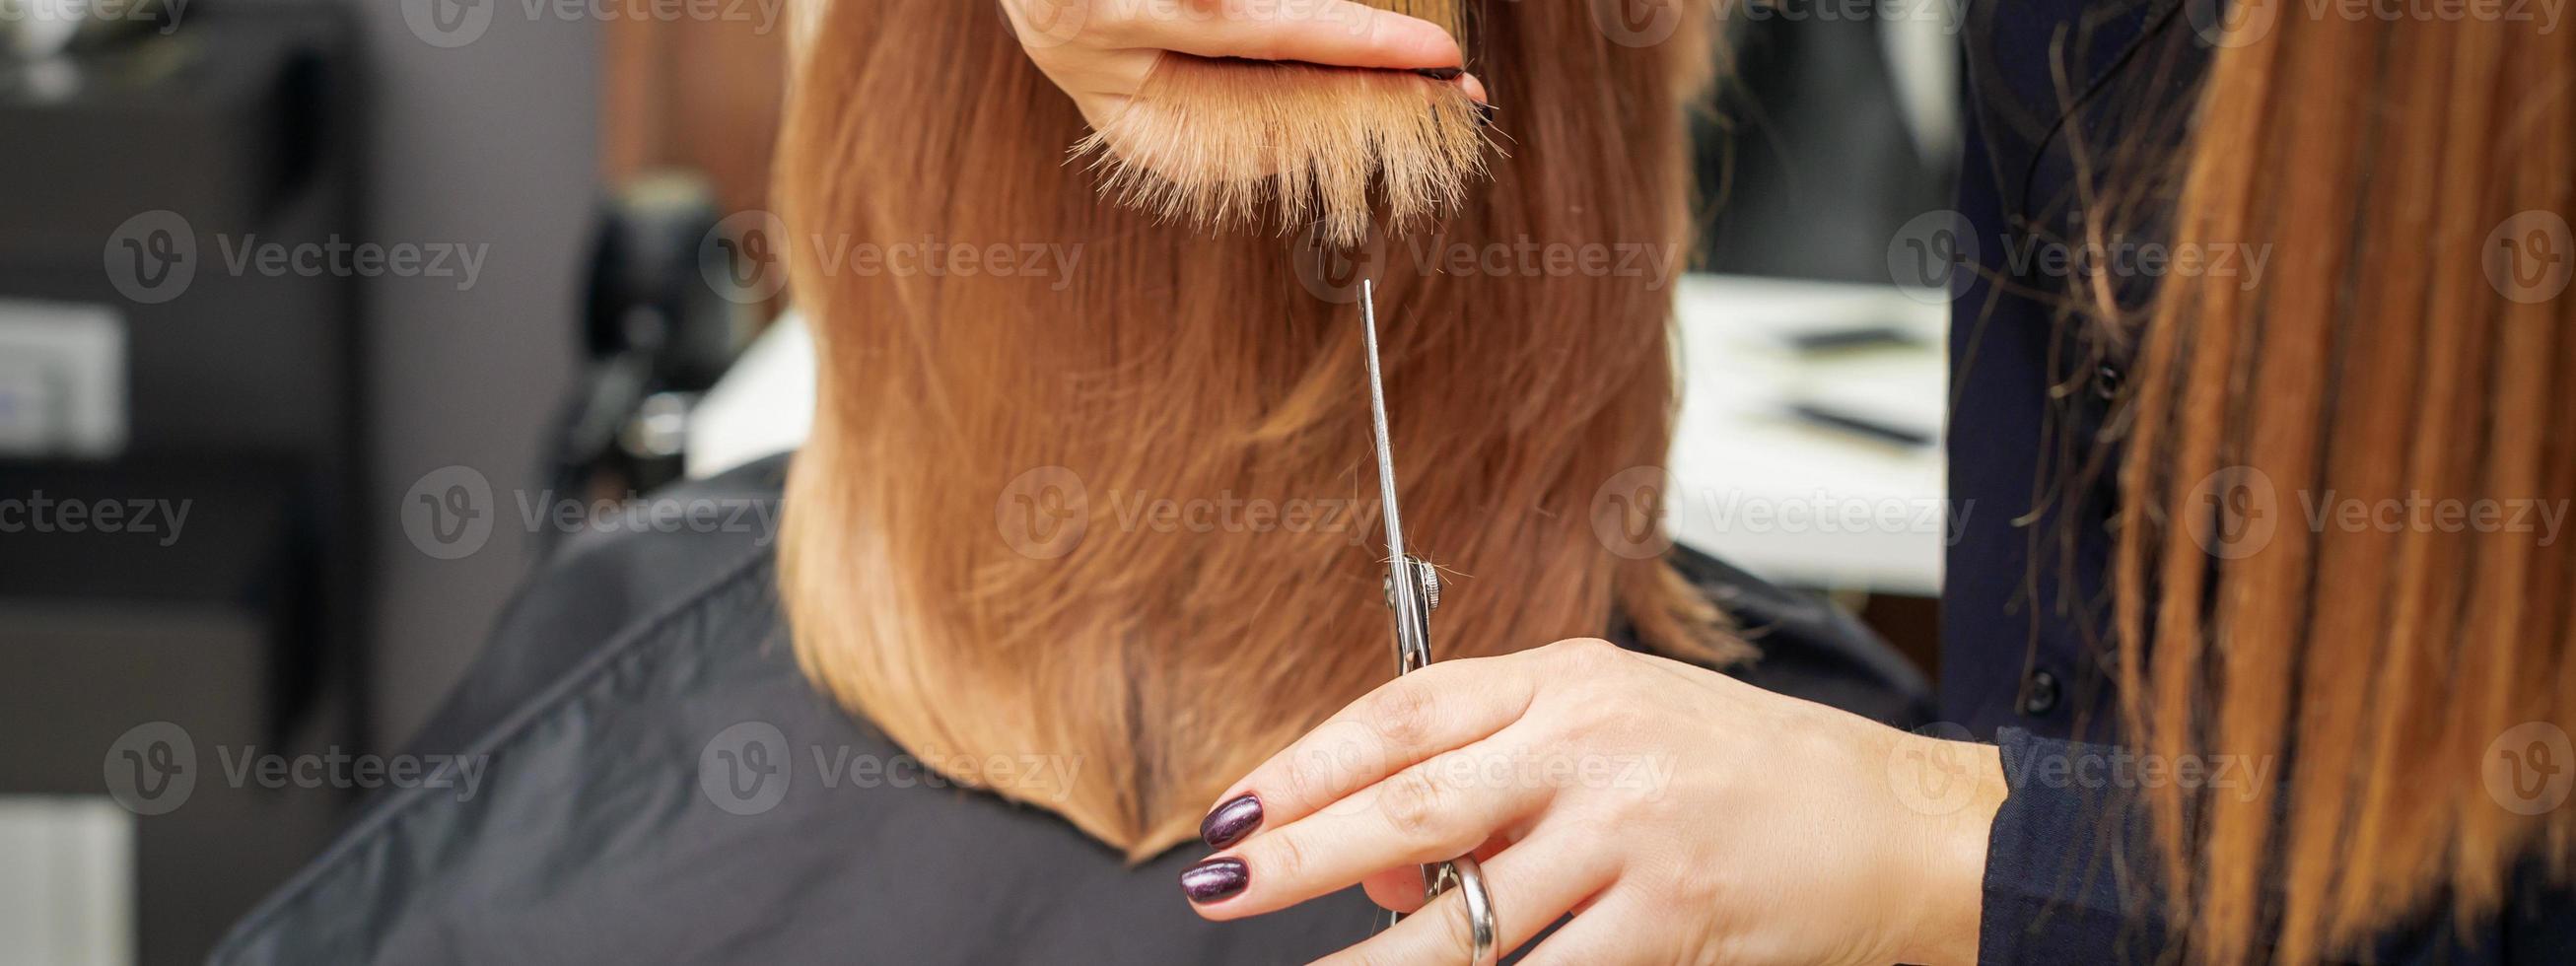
1231,821
1215,879
1441,73
1485,115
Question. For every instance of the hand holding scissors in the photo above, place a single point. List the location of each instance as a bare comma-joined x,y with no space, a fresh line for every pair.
1674,813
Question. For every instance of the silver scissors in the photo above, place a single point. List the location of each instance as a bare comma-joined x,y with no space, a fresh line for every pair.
1413,592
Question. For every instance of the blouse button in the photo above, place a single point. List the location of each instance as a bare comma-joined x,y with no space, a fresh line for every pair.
2039,693
2106,381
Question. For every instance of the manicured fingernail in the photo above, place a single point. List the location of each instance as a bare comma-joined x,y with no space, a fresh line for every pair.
1231,821
1441,73
1215,879
1485,114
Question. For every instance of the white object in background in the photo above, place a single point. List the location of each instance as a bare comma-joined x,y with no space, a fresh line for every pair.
66,881
62,380
44,27
763,406
1784,499
1921,43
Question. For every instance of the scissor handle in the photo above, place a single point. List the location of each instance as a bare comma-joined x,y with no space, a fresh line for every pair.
1468,877
1413,638
1415,578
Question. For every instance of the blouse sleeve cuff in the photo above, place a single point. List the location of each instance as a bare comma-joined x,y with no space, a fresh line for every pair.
2068,875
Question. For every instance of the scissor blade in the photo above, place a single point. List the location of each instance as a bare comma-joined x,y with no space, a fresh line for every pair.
1377,422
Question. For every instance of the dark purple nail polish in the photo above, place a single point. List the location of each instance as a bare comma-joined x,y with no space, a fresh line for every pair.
1485,115
1231,821
1441,73
1215,879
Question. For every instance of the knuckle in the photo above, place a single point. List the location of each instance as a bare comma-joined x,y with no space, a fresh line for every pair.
1411,802
1405,716
1310,776
1584,653
1283,859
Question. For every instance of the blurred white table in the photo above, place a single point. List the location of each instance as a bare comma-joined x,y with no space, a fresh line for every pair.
1786,498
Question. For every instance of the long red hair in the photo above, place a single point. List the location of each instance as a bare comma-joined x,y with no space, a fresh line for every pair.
978,560
2411,344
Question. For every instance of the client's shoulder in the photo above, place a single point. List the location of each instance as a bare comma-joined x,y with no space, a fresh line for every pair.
643,641
697,553
1808,647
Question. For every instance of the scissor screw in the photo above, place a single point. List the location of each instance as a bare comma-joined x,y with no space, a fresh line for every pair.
1425,576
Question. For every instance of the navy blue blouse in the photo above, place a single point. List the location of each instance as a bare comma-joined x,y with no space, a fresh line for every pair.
2060,91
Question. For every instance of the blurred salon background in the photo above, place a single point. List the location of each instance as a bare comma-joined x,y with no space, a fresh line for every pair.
322,321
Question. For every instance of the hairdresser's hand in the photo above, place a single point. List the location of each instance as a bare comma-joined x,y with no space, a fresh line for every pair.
1099,51
1680,815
